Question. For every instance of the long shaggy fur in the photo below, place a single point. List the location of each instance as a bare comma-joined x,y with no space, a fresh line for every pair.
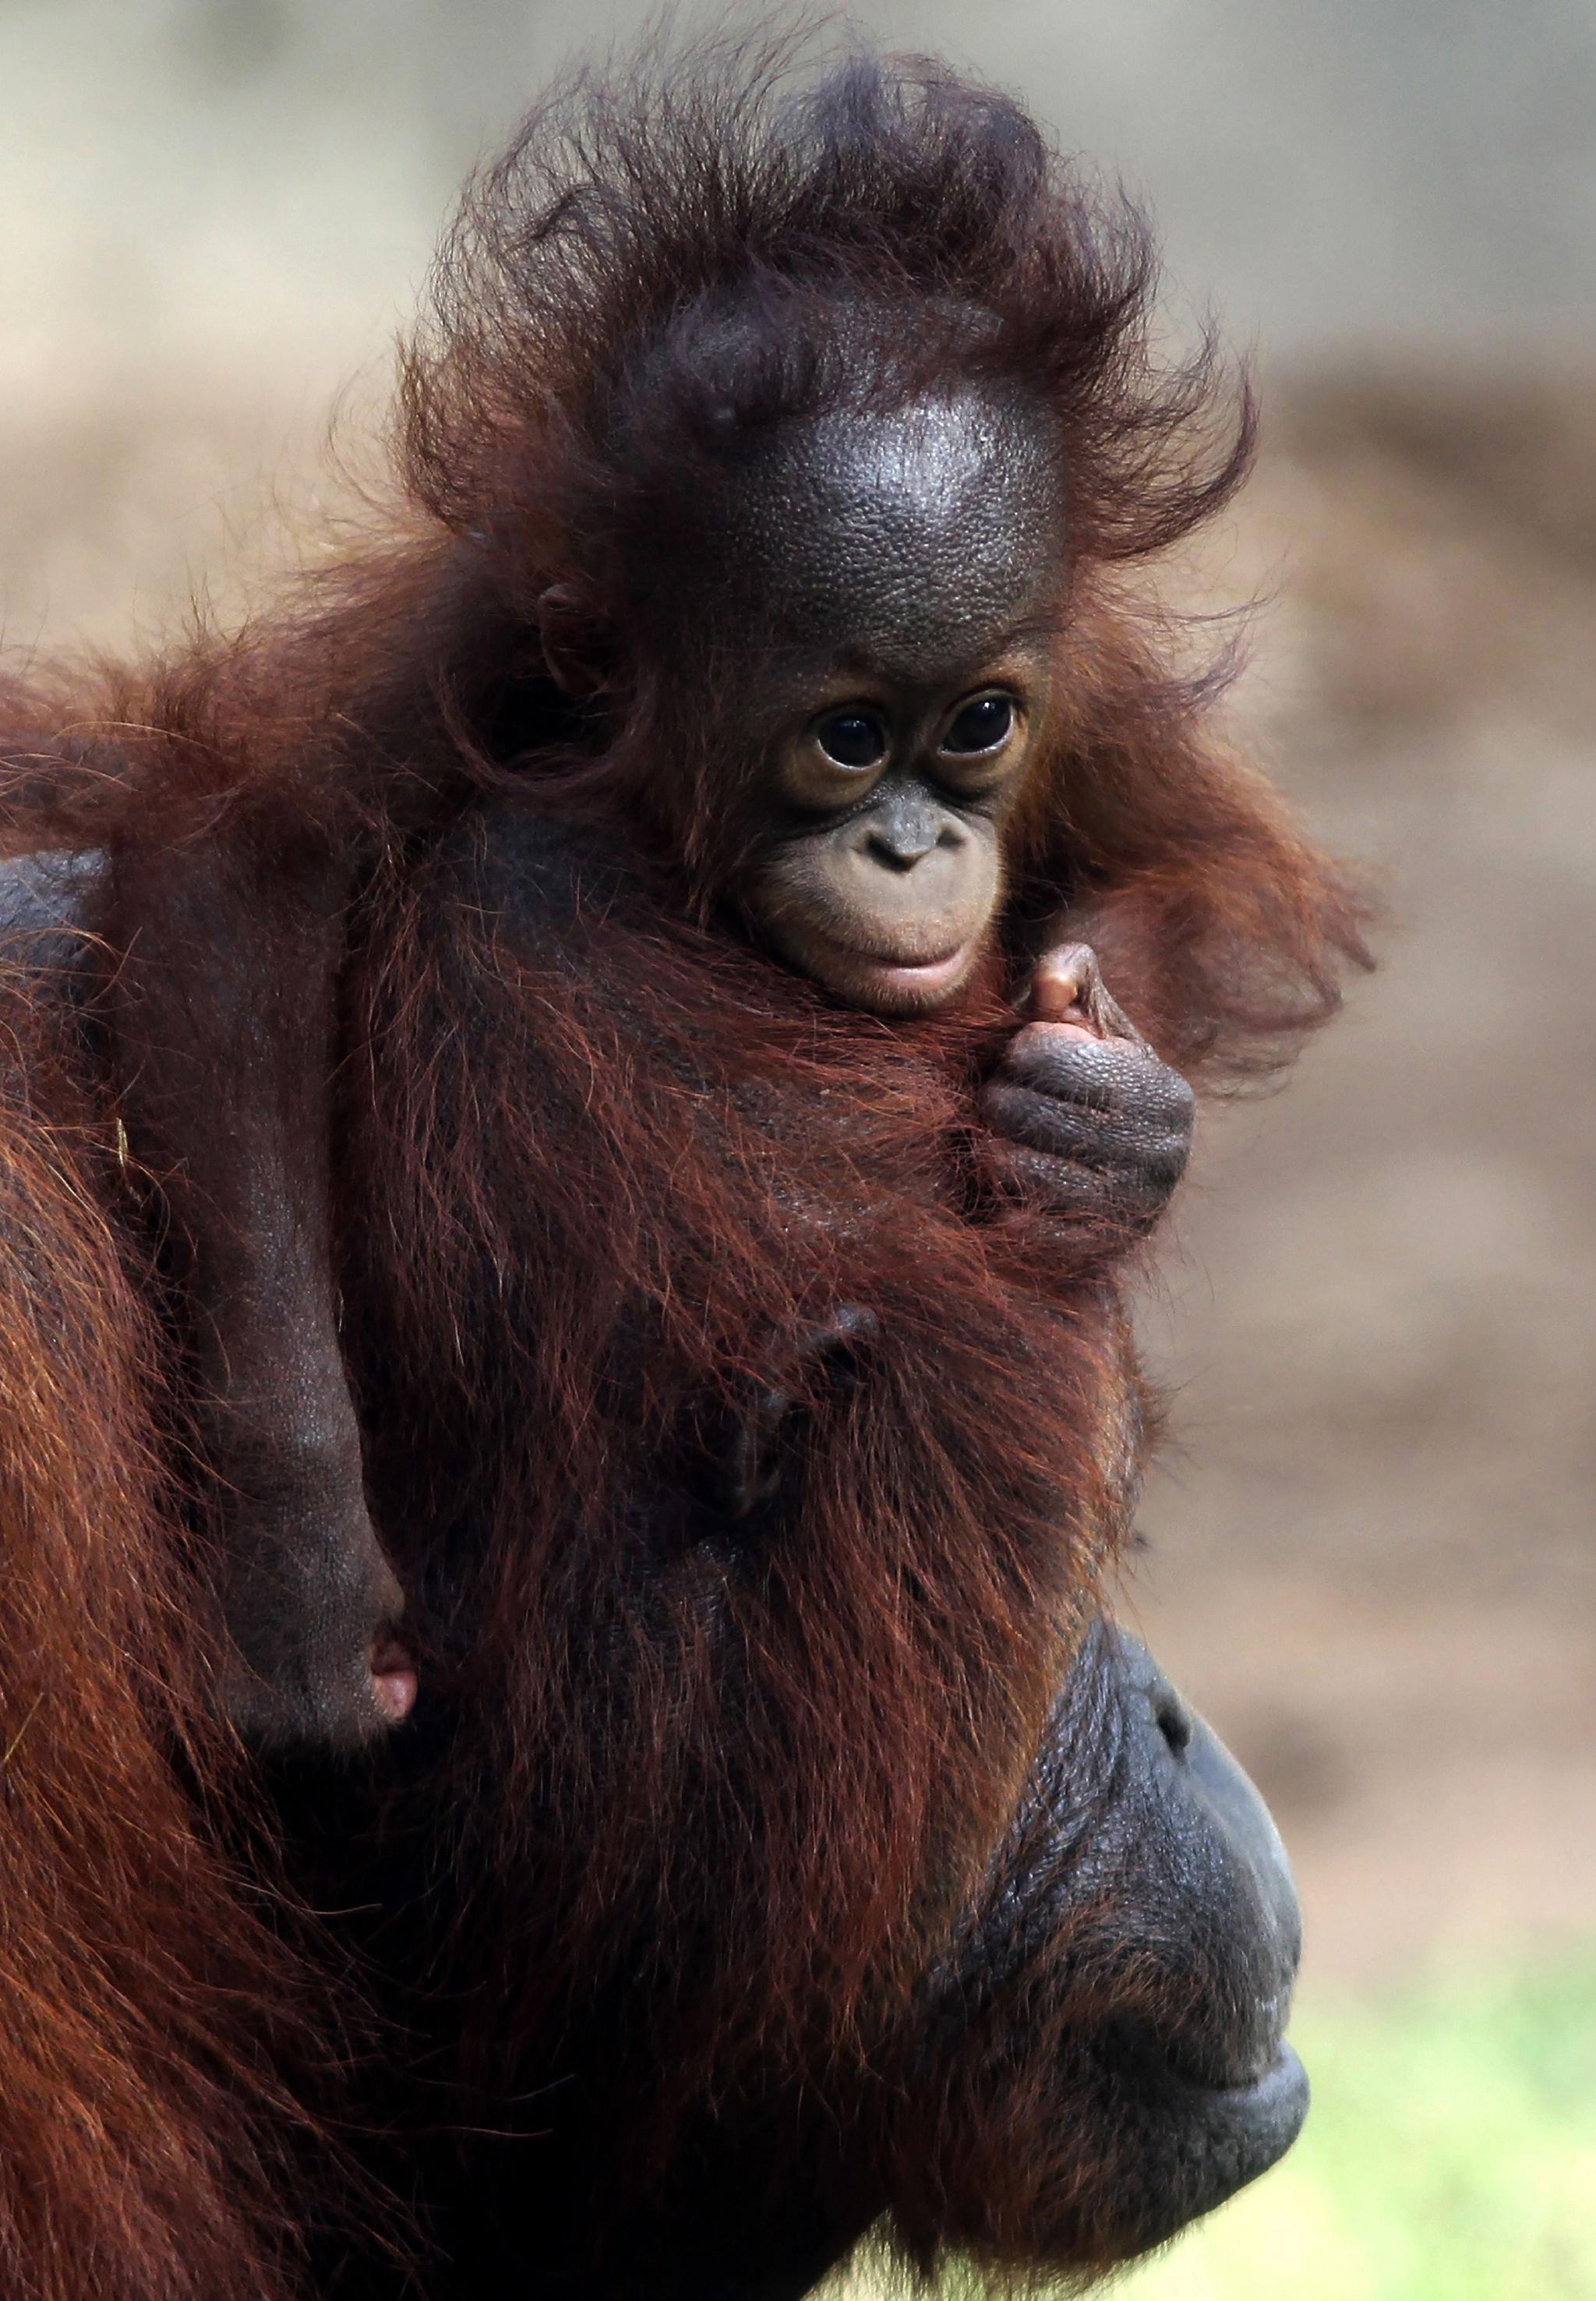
600,1162
149,2133
649,1162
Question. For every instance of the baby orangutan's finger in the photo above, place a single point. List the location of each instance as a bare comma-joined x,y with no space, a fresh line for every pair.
1067,989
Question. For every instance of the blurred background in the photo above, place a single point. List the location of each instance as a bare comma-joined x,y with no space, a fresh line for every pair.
1370,1546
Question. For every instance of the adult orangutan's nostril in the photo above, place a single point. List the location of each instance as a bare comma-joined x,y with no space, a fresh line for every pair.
1174,1722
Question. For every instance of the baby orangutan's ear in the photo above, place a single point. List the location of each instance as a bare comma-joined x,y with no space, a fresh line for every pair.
578,646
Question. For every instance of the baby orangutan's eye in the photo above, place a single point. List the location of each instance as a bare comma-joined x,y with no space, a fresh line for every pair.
985,723
852,738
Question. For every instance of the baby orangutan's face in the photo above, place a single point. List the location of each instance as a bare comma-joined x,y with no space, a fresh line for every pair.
897,570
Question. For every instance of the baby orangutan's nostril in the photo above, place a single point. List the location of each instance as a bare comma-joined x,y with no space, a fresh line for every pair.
900,854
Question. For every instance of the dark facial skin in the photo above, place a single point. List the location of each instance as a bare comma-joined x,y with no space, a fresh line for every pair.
901,572
1143,1843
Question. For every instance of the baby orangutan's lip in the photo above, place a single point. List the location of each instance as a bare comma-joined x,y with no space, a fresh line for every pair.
900,986
920,975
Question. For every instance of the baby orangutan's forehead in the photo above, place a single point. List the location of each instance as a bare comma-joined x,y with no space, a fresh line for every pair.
907,538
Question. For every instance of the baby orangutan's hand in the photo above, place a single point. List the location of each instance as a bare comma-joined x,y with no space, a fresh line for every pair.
1091,1123
310,1603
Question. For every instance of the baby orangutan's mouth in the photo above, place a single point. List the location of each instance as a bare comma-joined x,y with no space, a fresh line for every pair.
923,975
887,983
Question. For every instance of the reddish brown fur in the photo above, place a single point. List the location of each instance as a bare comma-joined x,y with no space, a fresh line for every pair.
671,1055
624,1165
142,2114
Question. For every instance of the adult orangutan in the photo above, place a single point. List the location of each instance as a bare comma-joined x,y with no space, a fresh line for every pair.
586,1045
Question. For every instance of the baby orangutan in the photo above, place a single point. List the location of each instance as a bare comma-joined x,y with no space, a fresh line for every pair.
881,595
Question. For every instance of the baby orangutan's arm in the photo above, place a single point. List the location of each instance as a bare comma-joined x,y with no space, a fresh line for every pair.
224,1020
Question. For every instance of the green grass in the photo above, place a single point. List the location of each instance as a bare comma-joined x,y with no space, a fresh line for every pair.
1450,2155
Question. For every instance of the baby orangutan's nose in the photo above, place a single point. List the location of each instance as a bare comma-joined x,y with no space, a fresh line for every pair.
904,830
900,854
901,846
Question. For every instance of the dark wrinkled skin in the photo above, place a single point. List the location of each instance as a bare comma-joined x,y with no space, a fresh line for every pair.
1135,1804
1092,1123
